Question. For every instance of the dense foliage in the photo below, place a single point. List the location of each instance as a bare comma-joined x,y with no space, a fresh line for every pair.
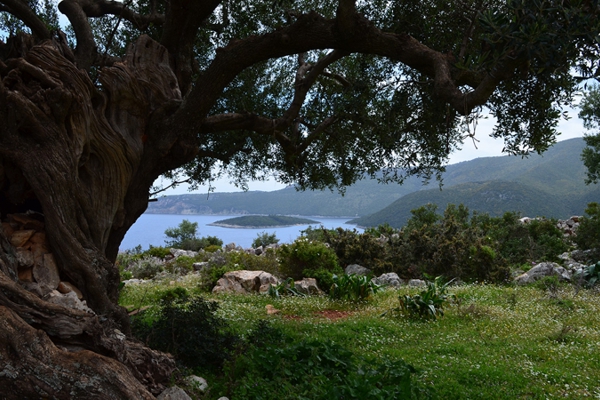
590,112
588,233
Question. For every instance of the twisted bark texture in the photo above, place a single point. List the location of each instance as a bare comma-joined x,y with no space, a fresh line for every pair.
69,149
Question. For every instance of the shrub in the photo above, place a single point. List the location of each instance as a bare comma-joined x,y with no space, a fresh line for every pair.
588,233
303,255
264,239
274,368
159,251
181,265
591,274
352,287
146,268
188,328
428,304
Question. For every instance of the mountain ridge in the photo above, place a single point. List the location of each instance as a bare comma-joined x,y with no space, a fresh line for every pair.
555,179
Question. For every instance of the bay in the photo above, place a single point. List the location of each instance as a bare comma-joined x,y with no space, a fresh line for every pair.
149,229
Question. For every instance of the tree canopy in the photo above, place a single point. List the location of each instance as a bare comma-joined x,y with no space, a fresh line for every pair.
98,98
590,113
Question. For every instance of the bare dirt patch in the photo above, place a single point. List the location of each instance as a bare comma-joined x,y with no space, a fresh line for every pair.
333,315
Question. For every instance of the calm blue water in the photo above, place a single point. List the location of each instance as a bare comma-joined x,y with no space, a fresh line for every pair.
150,229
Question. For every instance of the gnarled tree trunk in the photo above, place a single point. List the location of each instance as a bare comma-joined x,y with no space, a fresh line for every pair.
73,178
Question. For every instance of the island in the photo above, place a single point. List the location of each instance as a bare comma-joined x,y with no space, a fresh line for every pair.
262,221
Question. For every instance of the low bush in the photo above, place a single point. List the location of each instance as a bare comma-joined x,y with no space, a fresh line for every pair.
276,368
187,327
428,304
146,268
352,287
306,257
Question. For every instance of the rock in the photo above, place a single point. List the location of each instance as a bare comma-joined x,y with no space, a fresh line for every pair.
19,238
24,257
38,237
47,273
542,270
271,310
197,382
355,269
173,393
230,246
390,279
26,274
258,251
417,283
223,398
66,287
68,300
308,286
134,282
178,253
199,266
245,282
36,288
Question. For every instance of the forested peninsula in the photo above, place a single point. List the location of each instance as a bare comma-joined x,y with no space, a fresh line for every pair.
262,221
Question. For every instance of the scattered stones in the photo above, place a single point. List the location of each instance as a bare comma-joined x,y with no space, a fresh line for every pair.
245,282
67,287
355,269
187,253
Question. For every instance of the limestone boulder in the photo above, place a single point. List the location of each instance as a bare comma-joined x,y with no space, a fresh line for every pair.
389,280
417,283
542,270
308,286
244,281
174,393
355,269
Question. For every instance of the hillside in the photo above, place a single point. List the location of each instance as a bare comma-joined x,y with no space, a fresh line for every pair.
552,184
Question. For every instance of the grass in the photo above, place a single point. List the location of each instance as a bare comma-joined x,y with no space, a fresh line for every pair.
494,342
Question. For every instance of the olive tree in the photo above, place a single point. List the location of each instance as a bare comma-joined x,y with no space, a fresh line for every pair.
99,98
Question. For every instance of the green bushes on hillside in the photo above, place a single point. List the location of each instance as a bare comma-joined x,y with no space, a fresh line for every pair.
457,244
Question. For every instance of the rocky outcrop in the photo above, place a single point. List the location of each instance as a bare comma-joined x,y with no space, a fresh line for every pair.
37,270
245,282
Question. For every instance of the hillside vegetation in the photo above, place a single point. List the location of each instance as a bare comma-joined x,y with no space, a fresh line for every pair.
551,184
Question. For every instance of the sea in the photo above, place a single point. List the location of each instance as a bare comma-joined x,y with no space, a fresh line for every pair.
149,229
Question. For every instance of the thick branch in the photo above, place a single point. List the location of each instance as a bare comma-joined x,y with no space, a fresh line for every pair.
21,10
184,18
86,50
100,8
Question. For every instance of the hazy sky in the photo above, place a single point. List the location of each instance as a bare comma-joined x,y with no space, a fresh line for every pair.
486,147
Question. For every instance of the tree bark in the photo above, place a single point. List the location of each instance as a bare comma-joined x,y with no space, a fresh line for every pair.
72,149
